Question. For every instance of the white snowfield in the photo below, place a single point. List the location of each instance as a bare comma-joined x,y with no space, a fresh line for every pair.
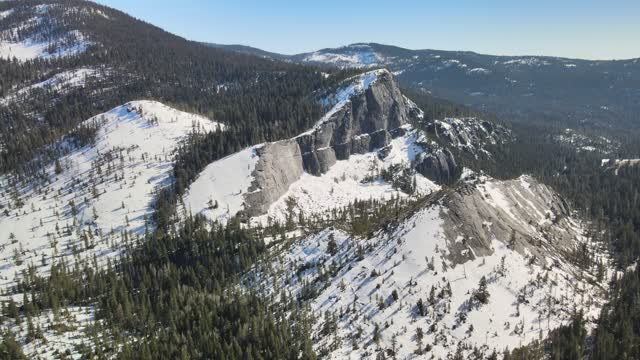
31,49
479,71
218,192
528,297
104,190
531,61
76,322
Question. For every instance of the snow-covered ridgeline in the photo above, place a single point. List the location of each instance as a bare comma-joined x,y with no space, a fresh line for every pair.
357,56
39,45
219,191
377,283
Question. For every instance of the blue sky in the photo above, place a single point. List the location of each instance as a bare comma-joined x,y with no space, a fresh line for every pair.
583,29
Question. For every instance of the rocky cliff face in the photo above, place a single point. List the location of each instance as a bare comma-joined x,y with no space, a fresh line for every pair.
470,138
421,274
470,135
439,166
363,123
279,165
528,216
370,112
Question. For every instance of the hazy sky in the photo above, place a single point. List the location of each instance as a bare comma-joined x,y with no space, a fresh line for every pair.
606,29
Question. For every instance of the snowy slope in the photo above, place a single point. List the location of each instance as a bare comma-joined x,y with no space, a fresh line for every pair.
63,332
31,49
38,37
103,191
352,291
218,191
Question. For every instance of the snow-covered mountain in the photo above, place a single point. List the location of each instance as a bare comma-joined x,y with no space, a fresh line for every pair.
462,262
482,265
368,145
350,206
434,229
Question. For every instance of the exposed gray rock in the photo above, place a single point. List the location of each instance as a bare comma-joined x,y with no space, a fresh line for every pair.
384,106
471,135
439,166
527,213
319,161
361,144
362,125
280,165
379,139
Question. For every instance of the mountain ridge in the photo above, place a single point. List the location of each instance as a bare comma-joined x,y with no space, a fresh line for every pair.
251,49
556,90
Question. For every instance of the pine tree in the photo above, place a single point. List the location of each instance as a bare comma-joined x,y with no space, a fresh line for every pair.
482,293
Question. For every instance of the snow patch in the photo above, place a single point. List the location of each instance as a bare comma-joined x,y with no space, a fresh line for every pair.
218,192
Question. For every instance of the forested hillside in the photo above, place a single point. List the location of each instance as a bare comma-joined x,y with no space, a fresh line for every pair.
129,59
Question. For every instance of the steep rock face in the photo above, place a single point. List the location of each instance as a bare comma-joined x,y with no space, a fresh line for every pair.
461,139
369,114
361,125
279,165
525,214
439,166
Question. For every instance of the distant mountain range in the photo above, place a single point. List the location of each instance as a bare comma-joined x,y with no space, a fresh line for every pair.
573,92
